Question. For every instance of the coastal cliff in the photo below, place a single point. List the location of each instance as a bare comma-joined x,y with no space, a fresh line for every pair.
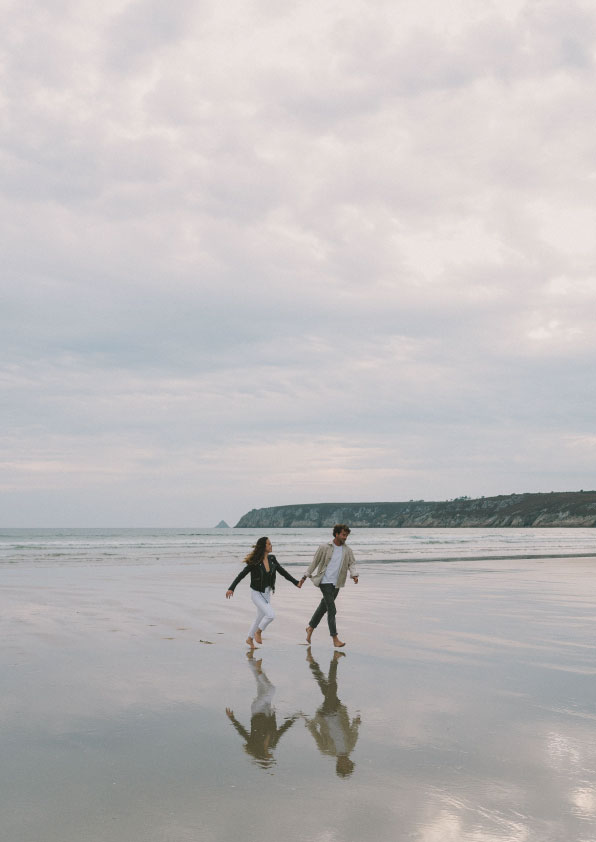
568,508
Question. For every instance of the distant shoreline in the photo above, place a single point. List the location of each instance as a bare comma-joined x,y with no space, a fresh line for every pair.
572,509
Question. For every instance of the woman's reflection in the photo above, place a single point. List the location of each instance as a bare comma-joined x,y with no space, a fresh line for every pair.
334,734
264,734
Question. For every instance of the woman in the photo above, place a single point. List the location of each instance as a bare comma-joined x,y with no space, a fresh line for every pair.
264,735
262,567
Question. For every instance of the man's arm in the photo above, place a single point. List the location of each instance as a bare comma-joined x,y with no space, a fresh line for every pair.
352,567
318,556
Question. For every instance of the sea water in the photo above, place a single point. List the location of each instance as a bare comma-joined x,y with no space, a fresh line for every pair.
292,546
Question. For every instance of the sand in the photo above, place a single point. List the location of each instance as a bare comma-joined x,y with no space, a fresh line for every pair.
463,708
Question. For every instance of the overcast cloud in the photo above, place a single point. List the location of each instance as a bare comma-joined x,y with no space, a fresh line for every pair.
258,252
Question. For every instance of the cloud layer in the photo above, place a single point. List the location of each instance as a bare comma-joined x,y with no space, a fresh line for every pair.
257,254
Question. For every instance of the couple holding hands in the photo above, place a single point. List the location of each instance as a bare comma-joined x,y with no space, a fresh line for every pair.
328,571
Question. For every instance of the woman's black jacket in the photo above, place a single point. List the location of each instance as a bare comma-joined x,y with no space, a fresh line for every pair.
258,572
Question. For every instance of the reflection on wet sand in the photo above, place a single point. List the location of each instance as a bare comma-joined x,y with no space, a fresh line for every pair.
333,732
476,686
264,735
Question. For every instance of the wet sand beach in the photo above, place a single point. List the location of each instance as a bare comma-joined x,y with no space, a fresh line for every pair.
464,707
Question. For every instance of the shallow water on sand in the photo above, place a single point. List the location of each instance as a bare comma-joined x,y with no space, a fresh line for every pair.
462,708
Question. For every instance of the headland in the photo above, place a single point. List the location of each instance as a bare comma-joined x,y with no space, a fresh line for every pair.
554,509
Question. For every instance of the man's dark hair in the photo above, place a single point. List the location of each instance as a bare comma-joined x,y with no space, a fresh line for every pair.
340,527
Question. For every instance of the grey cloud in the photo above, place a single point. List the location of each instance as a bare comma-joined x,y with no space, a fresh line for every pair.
563,33
544,38
136,34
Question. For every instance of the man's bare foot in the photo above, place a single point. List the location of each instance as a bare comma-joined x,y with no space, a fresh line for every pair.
250,642
337,641
338,655
309,631
258,637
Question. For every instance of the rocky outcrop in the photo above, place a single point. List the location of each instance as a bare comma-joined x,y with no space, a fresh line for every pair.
568,508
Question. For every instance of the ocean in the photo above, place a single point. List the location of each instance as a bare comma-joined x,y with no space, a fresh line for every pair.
292,546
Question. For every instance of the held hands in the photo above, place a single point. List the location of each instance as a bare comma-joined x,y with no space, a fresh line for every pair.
229,594
355,578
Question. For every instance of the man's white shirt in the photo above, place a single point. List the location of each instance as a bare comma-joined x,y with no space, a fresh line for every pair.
332,571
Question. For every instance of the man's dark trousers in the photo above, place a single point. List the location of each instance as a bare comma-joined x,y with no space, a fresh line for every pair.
327,604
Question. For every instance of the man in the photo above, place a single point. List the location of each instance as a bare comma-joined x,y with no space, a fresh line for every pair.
328,571
334,732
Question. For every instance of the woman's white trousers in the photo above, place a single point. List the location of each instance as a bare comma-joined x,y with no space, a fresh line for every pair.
265,612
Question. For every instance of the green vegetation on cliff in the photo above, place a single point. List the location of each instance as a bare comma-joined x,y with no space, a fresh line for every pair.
567,508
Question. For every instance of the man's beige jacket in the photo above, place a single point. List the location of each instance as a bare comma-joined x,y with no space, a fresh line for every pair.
322,557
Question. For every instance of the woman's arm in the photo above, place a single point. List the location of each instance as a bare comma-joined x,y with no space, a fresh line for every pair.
240,728
241,575
285,573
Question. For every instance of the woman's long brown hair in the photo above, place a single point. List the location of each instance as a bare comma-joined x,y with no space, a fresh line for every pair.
257,554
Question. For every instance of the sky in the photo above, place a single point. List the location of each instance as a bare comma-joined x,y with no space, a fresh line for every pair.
260,252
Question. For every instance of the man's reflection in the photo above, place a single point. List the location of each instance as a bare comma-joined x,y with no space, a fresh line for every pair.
334,734
264,734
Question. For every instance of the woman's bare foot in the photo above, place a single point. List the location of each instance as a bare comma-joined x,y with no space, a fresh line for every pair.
337,641
250,642
258,637
309,631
